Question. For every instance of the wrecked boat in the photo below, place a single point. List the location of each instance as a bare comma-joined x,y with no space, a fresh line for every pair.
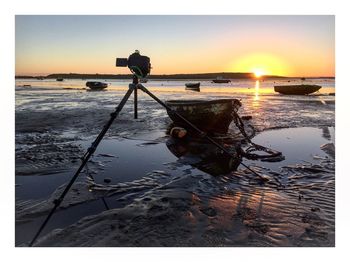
297,89
211,116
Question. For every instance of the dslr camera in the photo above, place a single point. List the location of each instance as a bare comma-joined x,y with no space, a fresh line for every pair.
138,64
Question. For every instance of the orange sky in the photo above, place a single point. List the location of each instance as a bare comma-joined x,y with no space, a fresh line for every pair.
278,45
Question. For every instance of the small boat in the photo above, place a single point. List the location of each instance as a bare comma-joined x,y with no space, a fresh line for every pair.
220,80
94,85
211,116
59,79
297,89
40,78
303,78
193,86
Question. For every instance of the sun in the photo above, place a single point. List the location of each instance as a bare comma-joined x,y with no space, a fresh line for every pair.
261,64
258,73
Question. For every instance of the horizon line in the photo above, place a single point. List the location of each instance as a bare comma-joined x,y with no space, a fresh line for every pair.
169,74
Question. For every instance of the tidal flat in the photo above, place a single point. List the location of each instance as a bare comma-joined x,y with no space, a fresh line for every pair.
137,190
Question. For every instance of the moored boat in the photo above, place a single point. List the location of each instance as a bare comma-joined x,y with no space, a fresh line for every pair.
59,79
193,86
297,89
94,85
211,116
220,80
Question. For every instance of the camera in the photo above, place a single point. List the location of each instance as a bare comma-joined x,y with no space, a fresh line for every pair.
138,64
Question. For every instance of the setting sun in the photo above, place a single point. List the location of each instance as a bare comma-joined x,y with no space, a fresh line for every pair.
258,73
262,64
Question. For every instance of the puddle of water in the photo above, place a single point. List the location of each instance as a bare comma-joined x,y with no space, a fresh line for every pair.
296,144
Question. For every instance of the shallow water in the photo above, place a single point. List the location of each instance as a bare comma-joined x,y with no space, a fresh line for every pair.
235,204
161,193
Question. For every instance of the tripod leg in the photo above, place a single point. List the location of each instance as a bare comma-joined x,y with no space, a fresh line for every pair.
86,157
135,102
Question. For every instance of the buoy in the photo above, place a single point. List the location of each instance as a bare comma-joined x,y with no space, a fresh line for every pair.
178,132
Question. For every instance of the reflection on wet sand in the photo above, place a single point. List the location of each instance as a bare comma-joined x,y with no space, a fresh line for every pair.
175,205
206,157
257,90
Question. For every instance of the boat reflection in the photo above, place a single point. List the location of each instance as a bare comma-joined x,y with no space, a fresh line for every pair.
203,156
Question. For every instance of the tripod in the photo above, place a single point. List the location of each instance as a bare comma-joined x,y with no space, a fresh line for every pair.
133,87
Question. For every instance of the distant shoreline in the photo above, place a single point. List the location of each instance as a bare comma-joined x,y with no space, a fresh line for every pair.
203,76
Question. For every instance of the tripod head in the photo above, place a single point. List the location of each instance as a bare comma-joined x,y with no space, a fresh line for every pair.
138,64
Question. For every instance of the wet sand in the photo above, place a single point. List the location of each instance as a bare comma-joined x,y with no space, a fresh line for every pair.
164,199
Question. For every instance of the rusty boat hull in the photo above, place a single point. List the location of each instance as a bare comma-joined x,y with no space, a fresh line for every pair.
213,116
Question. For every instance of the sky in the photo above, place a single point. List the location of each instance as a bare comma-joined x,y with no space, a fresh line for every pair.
274,45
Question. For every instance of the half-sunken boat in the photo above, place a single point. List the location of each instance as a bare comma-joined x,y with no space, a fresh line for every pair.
94,85
220,80
297,89
193,86
213,116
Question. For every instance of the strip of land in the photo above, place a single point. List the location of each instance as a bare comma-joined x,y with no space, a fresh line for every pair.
168,76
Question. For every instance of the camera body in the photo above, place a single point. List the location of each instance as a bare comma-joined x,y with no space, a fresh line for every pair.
138,64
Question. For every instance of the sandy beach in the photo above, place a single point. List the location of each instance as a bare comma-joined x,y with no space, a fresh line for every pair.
138,191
